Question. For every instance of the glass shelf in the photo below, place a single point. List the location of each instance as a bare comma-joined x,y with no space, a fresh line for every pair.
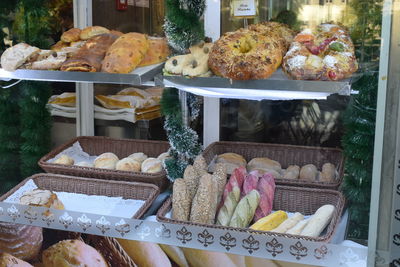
137,77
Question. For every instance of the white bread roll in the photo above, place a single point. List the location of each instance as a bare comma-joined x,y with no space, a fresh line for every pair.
21,241
308,173
128,164
72,253
152,165
328,173
65,160
163,156
145,254
41,198
291,172
139,156
231,161
7,260
106,161
264,163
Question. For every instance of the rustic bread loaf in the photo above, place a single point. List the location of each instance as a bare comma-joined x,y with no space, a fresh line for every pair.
41,198
92,31
106,161
158,52
72,35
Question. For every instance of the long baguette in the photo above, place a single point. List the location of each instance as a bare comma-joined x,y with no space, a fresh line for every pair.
319,221
289,223
296,230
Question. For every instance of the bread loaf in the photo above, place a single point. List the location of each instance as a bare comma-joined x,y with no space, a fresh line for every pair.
204,200
250,183
291,172
126,53
308,173
263,164
106,161
296,230
139,156
328,173
266,188
17,55
65,160
72,253
92,31
231,161
192,180
175,254
226,211
128,164
245,210
41,198
289,223
7,260
158,52
318,221
72,35
21,241
152,165
145,254
181,201
220,176
236,179
200,165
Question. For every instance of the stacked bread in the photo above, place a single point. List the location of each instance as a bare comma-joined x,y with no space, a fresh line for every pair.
309,172
136,162
92,49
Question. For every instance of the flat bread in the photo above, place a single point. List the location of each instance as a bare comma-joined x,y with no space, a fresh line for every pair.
17,55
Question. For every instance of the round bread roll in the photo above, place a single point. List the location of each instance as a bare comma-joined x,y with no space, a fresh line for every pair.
231,161
291,172
309,173
72,35
84,164
264,164
152,165
92,31
71,253
41,198
139,157
21,241
128,164
328,173
7,260
163,156
65,160
106,161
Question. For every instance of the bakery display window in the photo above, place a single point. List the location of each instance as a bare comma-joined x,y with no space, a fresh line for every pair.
234,132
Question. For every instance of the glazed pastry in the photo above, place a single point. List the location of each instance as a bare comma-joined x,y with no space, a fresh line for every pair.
152,165
106,161
41,198
21,241
139,156
282,30
91,55
126,53
92,31
158,52
72,253
128,164
72,35
65,160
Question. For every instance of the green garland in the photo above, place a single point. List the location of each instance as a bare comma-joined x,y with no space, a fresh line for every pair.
183,27
358,144
183,140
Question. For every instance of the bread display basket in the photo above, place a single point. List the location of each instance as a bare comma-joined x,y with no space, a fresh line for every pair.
286,155
289,199
94,145
90,186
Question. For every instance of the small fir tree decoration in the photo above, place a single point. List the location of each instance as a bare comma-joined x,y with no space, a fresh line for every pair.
183,26
358,145
183,140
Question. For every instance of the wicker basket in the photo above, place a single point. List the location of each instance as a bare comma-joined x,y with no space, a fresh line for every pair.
111,250
289,199
89,186
286,155
95,145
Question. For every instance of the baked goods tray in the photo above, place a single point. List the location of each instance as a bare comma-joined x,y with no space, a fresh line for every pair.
96,145
289,199
286,155
137,77
90,187
276,87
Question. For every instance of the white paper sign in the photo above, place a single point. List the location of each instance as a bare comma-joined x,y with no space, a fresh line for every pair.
244,8
142,3
131,2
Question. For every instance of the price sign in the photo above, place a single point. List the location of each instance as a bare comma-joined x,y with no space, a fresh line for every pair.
244,8
142,3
